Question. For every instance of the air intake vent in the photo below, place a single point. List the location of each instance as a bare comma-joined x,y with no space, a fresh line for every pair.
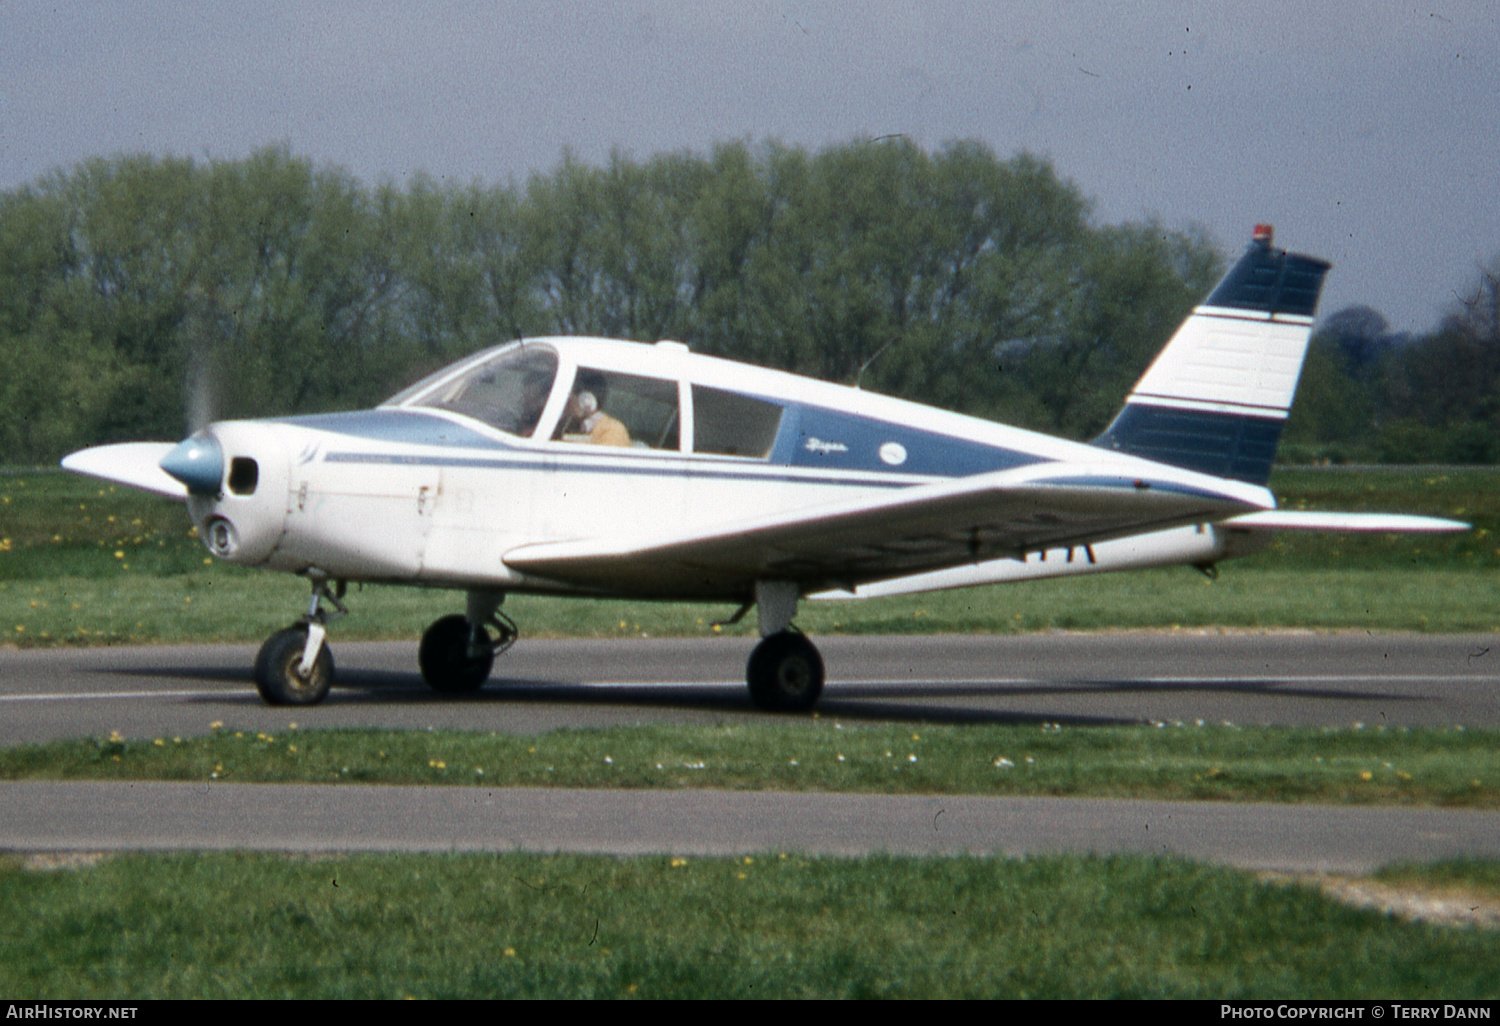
244,475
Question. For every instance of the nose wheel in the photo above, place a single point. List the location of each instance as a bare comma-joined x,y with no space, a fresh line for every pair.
294,666
279,676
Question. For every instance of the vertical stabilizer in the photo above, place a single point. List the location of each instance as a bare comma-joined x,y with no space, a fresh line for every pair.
1218,395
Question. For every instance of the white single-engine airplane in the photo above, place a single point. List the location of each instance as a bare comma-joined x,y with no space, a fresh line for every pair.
580,466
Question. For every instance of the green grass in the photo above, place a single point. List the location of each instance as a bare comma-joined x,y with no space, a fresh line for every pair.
225,604
1450,767
234,925
1476,874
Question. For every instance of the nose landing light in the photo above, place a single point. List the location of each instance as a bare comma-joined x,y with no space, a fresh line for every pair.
198,463
221,538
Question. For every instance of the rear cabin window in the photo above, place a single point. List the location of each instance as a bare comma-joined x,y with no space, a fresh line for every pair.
726,424
609,408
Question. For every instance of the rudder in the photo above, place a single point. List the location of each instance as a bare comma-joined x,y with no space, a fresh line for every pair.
1217,396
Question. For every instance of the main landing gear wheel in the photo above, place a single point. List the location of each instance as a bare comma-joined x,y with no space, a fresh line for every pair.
278,669
453,660
785,673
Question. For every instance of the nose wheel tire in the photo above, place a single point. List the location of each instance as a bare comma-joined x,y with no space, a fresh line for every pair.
449,664
785,673
278,670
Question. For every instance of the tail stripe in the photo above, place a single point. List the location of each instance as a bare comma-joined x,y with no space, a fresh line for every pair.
1223,444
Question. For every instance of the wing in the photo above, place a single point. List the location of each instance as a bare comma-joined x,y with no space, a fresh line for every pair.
925,527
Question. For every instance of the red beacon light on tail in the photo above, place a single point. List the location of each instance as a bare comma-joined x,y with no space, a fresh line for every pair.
1263,233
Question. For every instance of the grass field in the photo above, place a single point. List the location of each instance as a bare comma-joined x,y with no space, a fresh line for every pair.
1449,767
237,925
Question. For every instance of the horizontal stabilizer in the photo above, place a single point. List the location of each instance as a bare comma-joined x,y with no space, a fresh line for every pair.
137,464
1386,523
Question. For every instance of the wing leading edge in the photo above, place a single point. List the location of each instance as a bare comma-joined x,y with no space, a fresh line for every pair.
927,527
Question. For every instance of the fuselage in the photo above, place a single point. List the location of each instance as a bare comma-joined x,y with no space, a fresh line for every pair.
437,485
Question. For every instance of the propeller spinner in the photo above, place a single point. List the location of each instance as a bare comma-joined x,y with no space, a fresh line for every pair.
197,462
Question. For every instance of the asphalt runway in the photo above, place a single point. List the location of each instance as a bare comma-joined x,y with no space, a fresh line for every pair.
92,816
1079,679
1245,678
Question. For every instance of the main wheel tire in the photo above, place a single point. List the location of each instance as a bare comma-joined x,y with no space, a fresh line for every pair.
785,673
278,669
445,661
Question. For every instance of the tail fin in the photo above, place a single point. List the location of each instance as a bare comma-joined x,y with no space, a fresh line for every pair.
1218,395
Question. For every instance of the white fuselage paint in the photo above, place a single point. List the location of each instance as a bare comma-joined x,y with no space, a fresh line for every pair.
373,509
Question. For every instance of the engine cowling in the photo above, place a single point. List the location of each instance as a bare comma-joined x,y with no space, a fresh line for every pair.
236,473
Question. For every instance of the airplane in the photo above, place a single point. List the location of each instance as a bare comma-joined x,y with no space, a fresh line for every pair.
591,467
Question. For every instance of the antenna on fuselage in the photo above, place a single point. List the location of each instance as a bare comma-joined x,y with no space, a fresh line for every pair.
860,374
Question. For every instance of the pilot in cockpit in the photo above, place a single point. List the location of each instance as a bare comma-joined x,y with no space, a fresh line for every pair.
585,420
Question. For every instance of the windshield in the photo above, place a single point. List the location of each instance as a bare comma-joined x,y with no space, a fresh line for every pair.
507,391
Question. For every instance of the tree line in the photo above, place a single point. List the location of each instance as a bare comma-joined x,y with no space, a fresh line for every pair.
140,296
1371,395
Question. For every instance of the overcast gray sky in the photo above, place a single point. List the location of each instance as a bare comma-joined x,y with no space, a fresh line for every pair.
1367,132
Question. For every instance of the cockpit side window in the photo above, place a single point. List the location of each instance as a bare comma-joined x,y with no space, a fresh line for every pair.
610,408
728,424
507,392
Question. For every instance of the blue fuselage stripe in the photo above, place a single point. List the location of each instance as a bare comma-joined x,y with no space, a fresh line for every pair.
693,470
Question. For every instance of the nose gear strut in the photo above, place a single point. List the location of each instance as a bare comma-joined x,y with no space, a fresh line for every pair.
294,666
